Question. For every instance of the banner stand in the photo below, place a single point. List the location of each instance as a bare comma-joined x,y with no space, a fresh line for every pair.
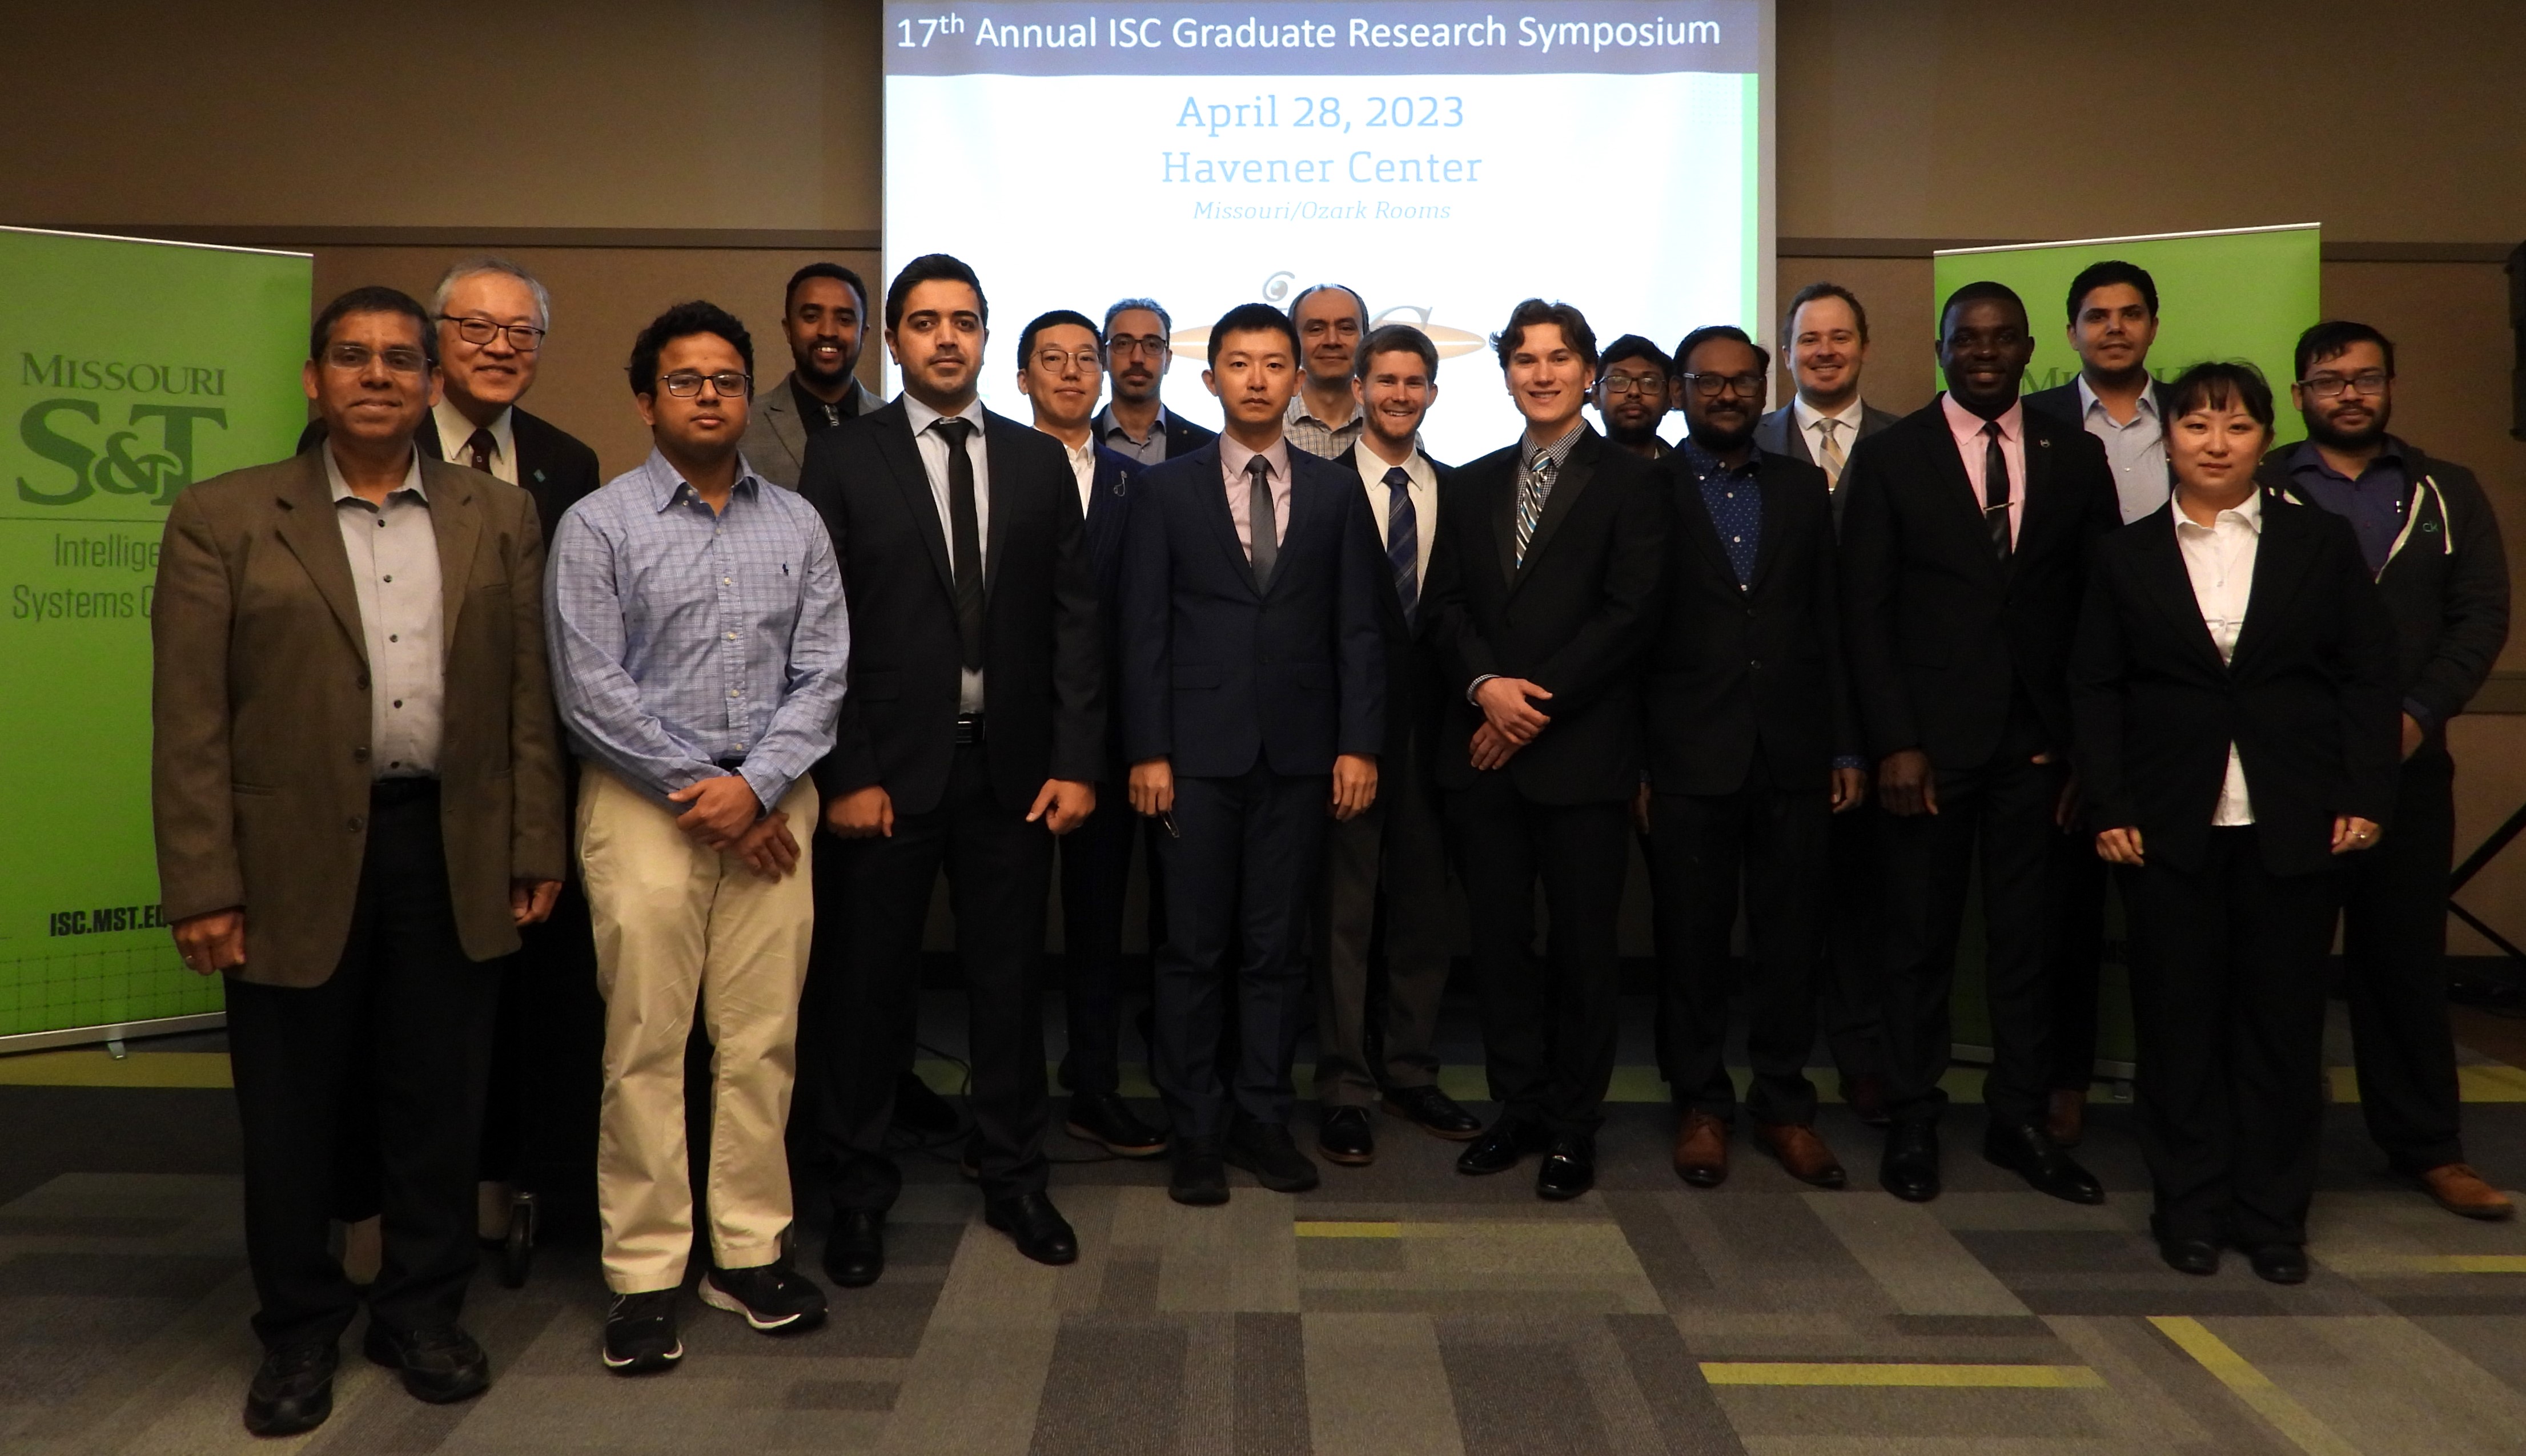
113,1035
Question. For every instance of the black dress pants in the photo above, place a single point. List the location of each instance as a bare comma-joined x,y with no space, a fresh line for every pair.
2394,946
1548,1023
1000,874
1853,971
2079,888
2005,808
1239,871
400,1037
1701,848
1096,874
2228,999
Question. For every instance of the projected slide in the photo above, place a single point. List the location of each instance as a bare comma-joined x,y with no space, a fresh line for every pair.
1445,159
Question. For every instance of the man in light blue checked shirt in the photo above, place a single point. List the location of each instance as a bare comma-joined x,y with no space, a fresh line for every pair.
698,643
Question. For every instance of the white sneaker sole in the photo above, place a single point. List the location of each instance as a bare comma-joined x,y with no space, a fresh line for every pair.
670,1358
718,1298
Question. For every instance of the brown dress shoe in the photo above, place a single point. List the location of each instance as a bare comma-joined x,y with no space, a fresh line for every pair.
1865,1095
1701,1150
2065,1120
2462,1191
1802,1153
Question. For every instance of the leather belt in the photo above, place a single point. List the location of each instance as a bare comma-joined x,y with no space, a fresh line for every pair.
968,729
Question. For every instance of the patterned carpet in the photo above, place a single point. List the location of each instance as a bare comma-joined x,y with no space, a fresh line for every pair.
1399,1310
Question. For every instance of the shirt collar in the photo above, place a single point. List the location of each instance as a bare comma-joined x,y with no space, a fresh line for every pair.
1560,450
1704,463
341,489
1233,455
454,430
923,416
1297,411
1106,424
2088,401
666,485
1851,415
2250,512
2304,456
1373,465
1965,422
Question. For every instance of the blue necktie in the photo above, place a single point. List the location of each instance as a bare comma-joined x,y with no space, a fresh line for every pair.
1403,541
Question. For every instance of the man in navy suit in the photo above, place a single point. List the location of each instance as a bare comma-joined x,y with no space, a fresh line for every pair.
1253,691
1060,367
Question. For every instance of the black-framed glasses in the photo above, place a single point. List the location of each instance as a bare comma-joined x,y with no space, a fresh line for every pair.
2368,382
353,359
684,383
525,338
1642,385
1711,387
1052,361
1125,345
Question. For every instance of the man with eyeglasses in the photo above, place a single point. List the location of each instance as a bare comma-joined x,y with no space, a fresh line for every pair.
1324,418
824,315
357,800
1965,536
2433,541
1632,382
1140,345
1060,372
698,645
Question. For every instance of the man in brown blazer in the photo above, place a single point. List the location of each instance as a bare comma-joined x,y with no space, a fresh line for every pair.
358,802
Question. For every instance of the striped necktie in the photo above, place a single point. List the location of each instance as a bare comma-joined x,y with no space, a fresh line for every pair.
1403,541
1829,453
1531,493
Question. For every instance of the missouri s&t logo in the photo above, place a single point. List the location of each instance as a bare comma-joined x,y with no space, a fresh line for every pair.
105,446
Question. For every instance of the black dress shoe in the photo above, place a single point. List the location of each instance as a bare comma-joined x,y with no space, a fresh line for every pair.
918,1110
292,1389
855,1249
1107,1121
1271,1154
1346,1137
1434,1112
1569,1168
2279,1263
1199,1178
2198,1256
2027,1150
442,1366
1501,1147
1036,1227
1909,1168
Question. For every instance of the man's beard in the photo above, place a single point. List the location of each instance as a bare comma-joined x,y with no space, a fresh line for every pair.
2326,436
1719,442
807,368
1630,434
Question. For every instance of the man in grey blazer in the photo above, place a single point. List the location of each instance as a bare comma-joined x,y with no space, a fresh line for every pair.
825,317
1825,337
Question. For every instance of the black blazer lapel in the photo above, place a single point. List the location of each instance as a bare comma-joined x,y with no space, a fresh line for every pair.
1503,515
2169,584
1949,461
1003,468
1700,528
2041,509
1778,512
1307,503
894,444
1209,484
2281,569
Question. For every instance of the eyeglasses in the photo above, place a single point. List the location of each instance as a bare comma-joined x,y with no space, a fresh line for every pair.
1053,361
1642,385
353,359
2368,382
1711,387
525,338
1125,345
684,383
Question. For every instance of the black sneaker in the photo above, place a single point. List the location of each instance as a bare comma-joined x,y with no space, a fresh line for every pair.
772,1297
1198,1181
292,1389
440,1366
1107,1121
1271,1154
640,1333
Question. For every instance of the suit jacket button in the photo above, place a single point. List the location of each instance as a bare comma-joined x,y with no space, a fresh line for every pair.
361,753
355,824
363,682
1756,664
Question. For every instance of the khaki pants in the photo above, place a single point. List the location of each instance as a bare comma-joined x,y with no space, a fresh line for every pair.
678,924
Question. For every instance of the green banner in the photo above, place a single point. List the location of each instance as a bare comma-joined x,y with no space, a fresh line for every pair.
133,369
2244,294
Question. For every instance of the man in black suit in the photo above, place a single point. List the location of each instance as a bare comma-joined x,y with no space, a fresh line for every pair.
1400,844
971,735
1544,585
2113,321
1252,690
1827,332
1060,367
1140,346
1751,752
1965,537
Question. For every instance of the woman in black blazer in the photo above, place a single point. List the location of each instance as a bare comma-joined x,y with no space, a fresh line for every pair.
2233,687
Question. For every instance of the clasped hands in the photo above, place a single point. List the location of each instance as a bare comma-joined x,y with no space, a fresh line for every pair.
1152,787
1510,719
1062,805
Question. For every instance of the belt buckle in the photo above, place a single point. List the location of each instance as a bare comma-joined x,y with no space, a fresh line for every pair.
969,727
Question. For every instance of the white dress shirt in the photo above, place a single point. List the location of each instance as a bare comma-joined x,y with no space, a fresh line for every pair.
1423,491
454,430
934,464
1082,469
393,551
2220,560
2135,448
1845,433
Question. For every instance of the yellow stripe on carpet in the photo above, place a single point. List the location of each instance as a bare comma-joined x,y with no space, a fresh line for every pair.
1974,1377
1331,1229
2253,1386
93,1067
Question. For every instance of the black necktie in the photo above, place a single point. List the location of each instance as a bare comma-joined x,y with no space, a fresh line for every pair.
1403,539
1264,535
1995,491
477,450
965,548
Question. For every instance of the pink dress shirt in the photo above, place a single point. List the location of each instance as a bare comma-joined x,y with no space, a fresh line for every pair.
1231,467
1967,428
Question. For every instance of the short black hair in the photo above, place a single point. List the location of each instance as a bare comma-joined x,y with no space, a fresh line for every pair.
1395,339
833,270
1976,292
374,298
2332,339
1043,322
1573,325
1709,332
1809,294
684,321
1359,304
1253,318
930,268
2104,274
2218,383
1633,346
1166,320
